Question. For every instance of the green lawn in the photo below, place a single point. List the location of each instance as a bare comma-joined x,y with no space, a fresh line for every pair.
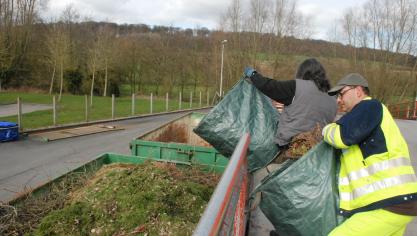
125,90
71,109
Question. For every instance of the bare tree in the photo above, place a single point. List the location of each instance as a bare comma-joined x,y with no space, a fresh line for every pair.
390,27
16,29
350,26
107,38
286,21
232,20
256,24
57,43
333,35
94,63
69,15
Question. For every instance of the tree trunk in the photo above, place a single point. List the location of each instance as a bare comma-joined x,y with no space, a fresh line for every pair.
157,89
52,80
92,87
132,90
105,81
62,81
134,81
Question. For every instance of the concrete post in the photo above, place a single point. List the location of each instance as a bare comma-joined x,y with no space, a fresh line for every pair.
19,113
200,100
166,102
151,103
54,110
86,108
191,100
179,103
112,106
133,104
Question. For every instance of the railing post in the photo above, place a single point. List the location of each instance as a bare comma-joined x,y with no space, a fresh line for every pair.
86,108
199,104
179,103
407,115
112,106
414,113
415,110
415,106
191,100
398,111
166,102
151,108
208,98
54,110
133,104
19,113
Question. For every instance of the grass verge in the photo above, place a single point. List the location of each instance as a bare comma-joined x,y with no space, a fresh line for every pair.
71,108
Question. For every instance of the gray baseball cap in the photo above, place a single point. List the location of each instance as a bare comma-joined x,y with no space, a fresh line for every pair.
353,79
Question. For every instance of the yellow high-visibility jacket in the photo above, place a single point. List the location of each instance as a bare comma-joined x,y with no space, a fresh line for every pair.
375,170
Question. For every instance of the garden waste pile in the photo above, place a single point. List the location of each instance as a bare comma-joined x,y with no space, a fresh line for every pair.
121,199
302,143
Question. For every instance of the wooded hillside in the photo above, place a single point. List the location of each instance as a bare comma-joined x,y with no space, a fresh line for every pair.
86,57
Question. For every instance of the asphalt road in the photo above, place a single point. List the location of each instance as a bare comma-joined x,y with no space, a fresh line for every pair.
28,163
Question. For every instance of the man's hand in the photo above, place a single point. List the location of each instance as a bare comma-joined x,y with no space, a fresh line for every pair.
249,71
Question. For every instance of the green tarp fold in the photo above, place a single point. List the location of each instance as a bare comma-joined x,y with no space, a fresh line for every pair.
243,109
302,198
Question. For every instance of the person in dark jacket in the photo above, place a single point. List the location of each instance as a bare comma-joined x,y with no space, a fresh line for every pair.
305,99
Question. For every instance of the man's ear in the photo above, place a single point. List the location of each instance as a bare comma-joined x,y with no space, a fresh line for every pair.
359,92
363,91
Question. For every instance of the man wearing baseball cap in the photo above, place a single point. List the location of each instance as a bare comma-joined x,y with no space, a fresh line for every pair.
377,183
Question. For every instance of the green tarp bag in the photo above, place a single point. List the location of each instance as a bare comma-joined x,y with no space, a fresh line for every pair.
243,109
302,198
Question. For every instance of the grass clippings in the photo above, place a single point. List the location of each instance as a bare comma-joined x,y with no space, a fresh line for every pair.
120,199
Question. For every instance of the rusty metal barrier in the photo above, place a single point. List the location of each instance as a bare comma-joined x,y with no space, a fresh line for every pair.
225,213
404,110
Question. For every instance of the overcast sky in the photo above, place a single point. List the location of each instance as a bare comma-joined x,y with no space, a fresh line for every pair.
191,13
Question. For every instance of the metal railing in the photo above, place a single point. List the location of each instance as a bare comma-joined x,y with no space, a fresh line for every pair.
87,110
225,213
404,110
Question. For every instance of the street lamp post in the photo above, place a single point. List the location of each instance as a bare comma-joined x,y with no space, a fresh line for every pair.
221,70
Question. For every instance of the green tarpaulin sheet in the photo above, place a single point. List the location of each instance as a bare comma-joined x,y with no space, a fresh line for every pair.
243,109
302,198
299,198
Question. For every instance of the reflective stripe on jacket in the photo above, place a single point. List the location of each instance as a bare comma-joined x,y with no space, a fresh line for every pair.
375,170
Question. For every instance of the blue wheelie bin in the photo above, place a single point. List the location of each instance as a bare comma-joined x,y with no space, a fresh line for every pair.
9,131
